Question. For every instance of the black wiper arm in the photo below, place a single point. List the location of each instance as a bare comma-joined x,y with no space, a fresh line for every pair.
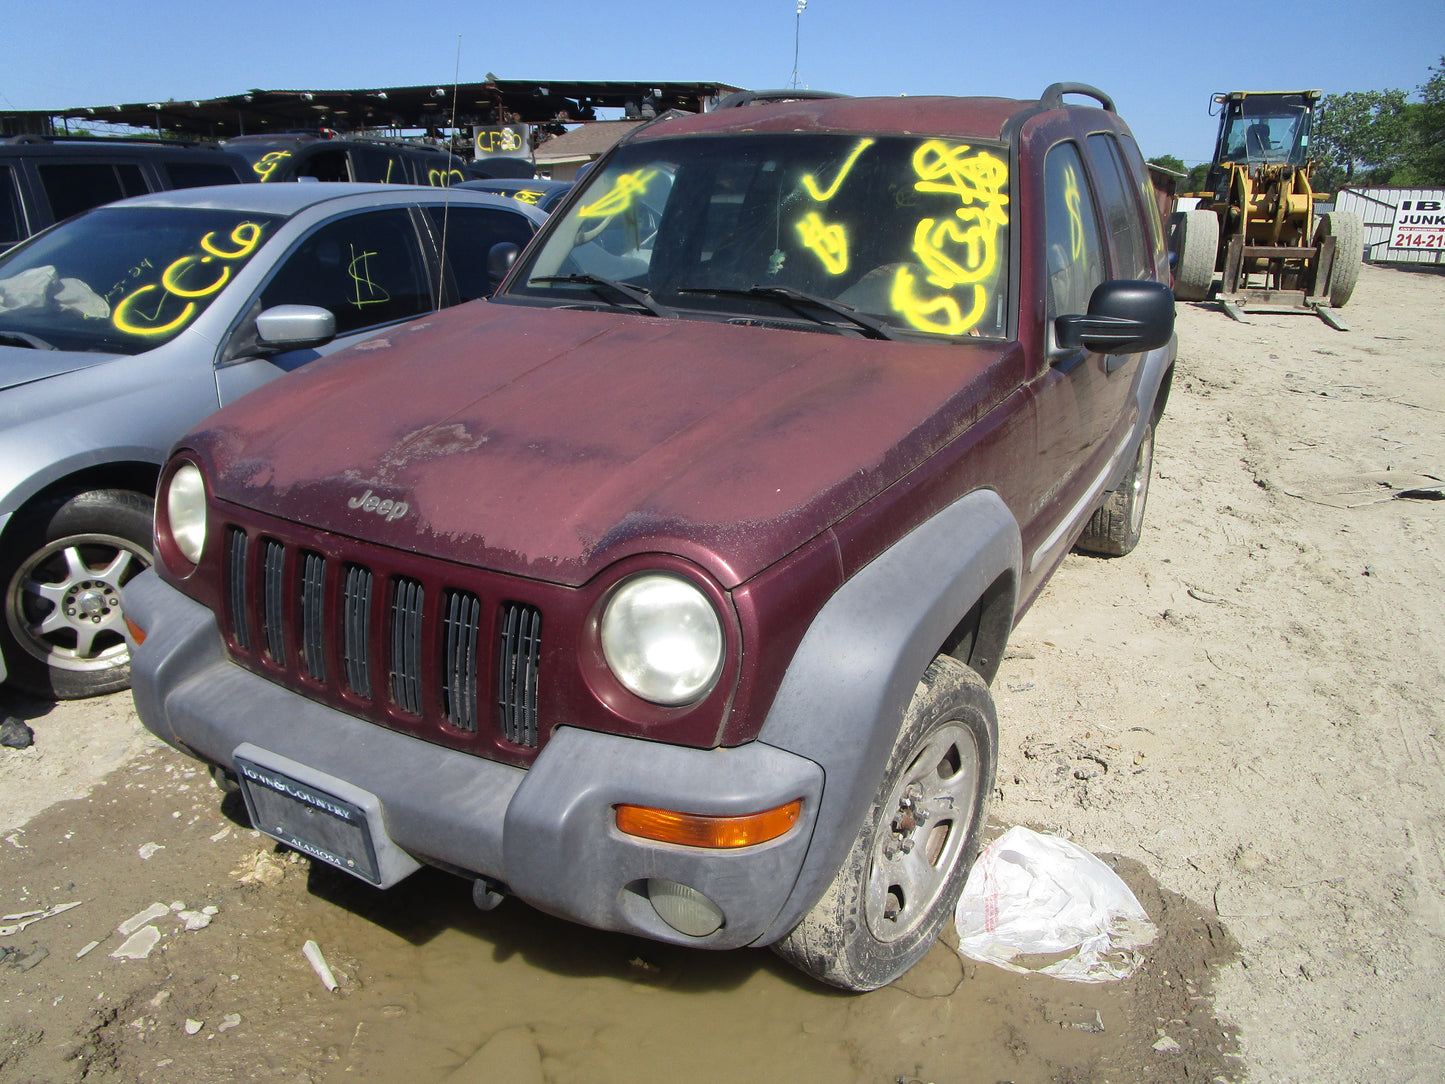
635,294
798,301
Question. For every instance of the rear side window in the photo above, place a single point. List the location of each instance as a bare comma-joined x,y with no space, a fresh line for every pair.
12,219
1121,208
198,174
325,165
468,234
366,268
1075,256
72,187
1134,159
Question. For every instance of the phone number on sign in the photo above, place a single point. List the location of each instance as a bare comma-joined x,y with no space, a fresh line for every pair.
1418,240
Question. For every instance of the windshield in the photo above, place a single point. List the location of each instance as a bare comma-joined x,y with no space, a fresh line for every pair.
909,234
1272,128
123,280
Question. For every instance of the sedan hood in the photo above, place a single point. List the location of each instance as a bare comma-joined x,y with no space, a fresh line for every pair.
550,443
24,365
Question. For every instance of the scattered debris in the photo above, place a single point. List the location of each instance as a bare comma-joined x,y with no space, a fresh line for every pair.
260,868
1166,1045
16,735
642,965
138,945
149,849
88,949
193,1027
31,917
25,963
312,952
194,920
229,1021
135,922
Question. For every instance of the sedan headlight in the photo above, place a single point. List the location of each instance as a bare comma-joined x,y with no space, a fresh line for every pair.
186,511
662,639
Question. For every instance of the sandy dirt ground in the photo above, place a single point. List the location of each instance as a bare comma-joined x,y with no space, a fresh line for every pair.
1241,716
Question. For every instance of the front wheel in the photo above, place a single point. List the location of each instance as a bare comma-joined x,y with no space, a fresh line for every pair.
908,864
63,568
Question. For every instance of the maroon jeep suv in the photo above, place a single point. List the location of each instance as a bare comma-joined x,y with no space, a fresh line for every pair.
663,590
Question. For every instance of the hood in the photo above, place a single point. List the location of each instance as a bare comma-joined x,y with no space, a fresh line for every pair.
24,365
550,443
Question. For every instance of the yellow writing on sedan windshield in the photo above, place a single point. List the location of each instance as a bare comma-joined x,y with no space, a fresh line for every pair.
181,281
624,193
526,195
443,178
960,253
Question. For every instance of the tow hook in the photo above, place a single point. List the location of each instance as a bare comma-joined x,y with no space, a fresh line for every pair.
487,894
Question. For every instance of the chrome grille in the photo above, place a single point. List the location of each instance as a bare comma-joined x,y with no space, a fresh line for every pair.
517,672
383,635
356,628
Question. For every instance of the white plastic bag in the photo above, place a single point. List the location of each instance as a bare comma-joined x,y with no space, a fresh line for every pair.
1030,894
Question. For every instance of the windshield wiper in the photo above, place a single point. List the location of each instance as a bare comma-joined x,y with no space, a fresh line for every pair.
635,294
23,338
798,301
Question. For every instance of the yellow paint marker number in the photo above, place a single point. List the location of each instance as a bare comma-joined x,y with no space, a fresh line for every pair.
178,282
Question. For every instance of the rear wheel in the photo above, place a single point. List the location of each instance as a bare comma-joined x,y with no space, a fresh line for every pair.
1196,244
908,863
1116,527
62,569
1349,234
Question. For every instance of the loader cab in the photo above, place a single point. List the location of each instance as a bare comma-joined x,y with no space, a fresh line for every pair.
1258,129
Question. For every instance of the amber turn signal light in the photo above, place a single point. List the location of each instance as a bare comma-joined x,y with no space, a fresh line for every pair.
137,633
693,830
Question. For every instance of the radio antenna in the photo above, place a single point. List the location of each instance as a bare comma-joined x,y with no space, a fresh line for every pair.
447,175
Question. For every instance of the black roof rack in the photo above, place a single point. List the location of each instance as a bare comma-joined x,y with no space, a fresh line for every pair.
1053,95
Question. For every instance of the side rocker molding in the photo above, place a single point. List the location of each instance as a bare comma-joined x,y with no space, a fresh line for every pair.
855,671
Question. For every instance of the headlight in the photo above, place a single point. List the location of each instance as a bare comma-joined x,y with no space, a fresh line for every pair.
662,639
186,511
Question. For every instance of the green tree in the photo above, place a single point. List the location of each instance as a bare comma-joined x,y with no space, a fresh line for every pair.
1361,137
1197,176
1424,160
1168,161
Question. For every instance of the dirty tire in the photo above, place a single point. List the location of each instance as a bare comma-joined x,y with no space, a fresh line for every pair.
1349,234
62,569
1115,528
885,908
1196,240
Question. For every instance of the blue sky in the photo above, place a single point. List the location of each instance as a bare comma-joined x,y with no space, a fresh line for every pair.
1159,61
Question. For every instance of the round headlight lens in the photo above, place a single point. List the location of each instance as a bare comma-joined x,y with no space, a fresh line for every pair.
186,511
662,639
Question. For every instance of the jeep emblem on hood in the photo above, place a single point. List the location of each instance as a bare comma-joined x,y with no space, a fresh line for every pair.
370,502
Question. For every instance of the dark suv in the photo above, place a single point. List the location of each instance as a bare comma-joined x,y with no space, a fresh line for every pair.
663,590
293,157
44,180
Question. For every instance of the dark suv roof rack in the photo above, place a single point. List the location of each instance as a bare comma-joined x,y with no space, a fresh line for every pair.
1053,95
105,140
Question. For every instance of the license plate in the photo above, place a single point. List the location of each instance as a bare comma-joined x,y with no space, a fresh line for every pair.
310,820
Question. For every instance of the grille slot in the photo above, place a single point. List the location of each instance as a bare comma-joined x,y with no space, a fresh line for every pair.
406,622
355,625
517,675
313,613
240,626
459,680
273,615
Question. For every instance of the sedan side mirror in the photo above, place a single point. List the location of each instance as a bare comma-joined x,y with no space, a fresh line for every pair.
294,327
1126,316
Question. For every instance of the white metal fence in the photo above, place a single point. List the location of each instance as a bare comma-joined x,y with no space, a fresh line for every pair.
1415,216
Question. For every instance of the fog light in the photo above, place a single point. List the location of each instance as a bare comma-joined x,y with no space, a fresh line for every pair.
685,909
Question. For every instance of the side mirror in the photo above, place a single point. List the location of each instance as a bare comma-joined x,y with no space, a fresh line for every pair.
294,327
1126,316
500,258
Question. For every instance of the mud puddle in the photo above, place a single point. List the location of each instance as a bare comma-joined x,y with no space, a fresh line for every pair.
430,989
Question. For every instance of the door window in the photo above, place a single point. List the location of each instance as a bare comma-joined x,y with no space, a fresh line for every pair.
1075,257
1126,224
366,268
72,187
468,234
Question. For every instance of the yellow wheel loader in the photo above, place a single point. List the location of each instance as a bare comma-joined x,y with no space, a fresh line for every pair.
1256,223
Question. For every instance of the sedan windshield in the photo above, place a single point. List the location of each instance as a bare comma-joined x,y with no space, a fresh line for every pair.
867,236
123,279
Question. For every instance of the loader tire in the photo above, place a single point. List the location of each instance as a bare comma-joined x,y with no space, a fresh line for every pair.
1349,234
1197,246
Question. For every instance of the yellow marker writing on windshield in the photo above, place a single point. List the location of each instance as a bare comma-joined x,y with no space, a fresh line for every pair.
173,284
625,191
268,163
121,317
823,197
828,240
246,236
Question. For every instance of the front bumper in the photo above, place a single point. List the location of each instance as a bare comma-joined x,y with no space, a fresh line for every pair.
548,833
